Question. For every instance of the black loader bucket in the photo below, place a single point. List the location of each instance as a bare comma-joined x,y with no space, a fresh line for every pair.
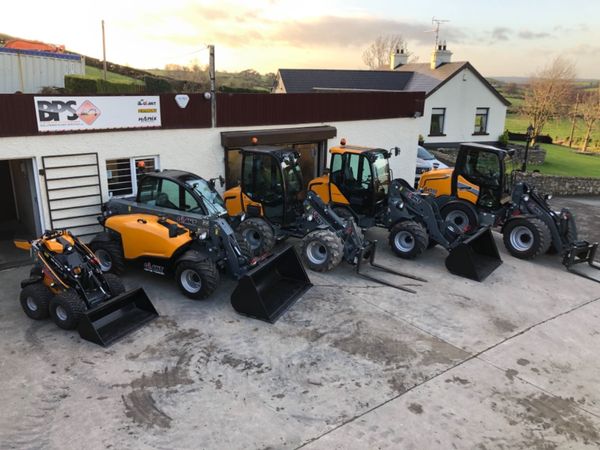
267,291
475,257
117,317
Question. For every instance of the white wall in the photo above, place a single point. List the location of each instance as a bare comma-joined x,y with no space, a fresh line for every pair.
30,73
461,96
200,150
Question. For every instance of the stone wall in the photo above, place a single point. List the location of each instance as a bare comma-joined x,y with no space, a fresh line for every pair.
557,185
536,155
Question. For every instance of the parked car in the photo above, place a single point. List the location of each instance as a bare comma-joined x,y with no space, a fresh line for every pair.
426,162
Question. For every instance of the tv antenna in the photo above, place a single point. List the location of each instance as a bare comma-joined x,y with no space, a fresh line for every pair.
436,30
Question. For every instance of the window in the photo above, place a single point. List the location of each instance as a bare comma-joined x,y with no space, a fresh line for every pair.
122,174
438,116
481,120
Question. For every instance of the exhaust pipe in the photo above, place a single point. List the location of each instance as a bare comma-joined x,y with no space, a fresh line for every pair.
117,317
269,290
475,257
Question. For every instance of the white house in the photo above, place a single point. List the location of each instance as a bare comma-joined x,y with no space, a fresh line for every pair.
460,104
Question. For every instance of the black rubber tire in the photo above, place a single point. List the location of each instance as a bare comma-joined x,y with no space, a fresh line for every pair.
115,284
207,274
541,238
417,235
40,296
114,250
244,246
73,307
263,233
329,246
465,208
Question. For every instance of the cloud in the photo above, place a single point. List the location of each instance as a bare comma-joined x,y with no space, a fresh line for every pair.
501,34
531,35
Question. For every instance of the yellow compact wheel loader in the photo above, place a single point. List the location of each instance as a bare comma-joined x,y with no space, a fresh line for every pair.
359,184
67,284
481,189
267,286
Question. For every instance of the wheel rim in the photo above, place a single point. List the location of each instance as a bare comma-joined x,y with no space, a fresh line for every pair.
61,313
191,281
404,241
458,218
316,253
31,304
521,238
104,259
253,238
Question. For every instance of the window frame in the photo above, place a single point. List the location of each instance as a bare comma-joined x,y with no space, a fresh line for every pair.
485,121
133,160
443,124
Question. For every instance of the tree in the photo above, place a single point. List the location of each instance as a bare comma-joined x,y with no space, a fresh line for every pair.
547,93
590,114
377,55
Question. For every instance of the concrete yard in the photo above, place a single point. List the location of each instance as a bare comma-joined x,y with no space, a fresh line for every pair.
508,363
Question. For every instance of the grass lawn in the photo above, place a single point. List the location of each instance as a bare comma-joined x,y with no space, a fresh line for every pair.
95,73
556,129
566,162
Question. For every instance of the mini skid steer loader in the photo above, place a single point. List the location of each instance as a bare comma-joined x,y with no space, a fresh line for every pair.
271,204
68,284
267,286
359,185
479,190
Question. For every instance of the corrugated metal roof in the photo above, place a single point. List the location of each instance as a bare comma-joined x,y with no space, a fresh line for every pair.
310,80
44,54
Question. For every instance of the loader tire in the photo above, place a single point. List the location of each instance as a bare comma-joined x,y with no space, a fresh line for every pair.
35,300
66,309
110,256
259,235
408,239
115,284
197,279
244,247
526,238
322,250
460,214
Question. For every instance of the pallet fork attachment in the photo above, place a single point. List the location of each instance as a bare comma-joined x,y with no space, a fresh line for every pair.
368,253
578,255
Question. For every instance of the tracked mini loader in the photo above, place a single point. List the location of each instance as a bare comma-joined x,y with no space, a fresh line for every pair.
267,286
480,190
68,284
359,185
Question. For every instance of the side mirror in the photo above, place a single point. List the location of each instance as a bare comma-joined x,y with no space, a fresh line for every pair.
221,181
326,171
396,151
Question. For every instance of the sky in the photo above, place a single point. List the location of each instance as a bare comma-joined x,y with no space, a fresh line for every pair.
500,38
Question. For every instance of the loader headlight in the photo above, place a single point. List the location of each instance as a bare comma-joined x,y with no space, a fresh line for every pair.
400,205
526,198
203,235
548,196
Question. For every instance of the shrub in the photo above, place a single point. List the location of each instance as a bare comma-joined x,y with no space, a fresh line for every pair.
503,139
79,85
157,85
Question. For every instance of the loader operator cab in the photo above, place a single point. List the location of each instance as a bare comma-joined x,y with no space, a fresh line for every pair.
362,176
271,177
182,191
481,170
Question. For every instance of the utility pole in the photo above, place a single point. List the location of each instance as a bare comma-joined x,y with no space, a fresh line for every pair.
103,51
213,93
574,119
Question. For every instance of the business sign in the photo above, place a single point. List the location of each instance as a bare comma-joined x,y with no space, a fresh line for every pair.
96,113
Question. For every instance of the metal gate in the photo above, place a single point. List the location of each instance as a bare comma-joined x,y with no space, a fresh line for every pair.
73,191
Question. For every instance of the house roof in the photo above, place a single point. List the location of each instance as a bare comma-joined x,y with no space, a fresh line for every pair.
310,80
409,77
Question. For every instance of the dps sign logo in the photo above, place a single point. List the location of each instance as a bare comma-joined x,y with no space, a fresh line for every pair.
96,113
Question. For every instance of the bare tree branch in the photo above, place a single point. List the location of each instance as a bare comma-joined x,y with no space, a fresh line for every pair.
548,92
590,113
377,55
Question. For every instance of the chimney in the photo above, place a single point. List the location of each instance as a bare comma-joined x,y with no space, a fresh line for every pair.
440,55
398,58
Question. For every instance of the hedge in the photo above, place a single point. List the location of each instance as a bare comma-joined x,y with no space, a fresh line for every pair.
79,85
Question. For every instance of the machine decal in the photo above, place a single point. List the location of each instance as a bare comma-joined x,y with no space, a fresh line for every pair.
154,268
